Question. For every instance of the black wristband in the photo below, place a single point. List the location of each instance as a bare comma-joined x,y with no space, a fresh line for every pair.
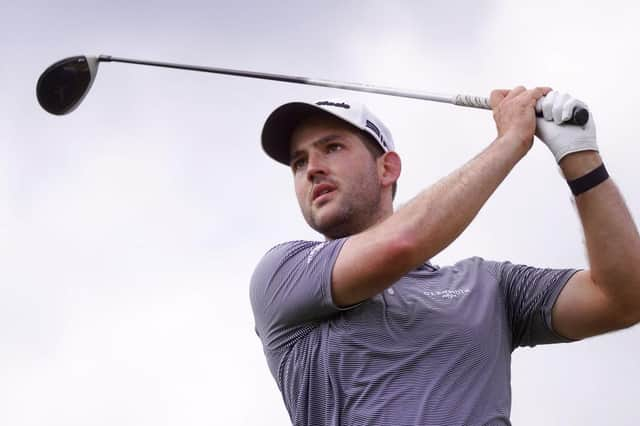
584,183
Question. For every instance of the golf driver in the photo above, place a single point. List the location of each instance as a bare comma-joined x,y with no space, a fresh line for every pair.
63,85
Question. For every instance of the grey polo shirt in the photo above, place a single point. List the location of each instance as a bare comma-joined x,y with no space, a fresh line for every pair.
433,349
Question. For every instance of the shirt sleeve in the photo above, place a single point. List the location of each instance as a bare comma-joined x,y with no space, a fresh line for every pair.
291,290
530,294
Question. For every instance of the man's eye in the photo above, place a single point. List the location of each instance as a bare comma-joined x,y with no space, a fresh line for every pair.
298,164
334,147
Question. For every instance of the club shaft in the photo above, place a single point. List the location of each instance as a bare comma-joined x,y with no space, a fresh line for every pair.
461,100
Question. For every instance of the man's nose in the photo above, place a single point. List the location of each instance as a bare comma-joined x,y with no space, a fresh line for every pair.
316,165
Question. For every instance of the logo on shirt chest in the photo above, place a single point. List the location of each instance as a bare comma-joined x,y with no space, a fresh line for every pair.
447,294
439,294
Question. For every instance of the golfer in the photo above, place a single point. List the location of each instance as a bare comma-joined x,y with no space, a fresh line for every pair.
361,329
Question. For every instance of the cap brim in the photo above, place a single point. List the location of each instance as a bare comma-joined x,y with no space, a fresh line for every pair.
277,130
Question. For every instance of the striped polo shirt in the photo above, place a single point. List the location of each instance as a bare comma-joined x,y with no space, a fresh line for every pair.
432,349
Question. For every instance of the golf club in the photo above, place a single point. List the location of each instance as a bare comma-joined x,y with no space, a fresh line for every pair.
63,85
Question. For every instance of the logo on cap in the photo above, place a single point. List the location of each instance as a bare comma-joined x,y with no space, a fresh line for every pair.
375,130
335,104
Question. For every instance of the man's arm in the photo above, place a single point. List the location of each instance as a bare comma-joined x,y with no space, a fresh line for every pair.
606,297
371,261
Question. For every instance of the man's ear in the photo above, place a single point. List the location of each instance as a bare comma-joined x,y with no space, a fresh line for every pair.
389,167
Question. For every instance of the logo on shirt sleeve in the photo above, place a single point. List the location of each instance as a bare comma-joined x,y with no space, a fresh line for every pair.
315,250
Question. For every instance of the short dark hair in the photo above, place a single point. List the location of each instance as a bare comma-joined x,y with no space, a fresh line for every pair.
376,152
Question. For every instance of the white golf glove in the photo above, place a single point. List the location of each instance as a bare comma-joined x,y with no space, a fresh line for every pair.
563,139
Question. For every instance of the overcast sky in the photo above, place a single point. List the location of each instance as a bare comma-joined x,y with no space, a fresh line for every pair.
129,228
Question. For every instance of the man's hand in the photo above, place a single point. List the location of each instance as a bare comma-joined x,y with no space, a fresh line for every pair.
514,114
563,139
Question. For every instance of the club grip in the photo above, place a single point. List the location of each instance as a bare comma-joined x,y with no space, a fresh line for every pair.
579,116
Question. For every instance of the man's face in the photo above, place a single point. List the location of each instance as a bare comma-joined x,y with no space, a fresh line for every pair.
336,177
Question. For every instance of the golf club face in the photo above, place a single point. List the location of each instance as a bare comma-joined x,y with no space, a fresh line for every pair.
63,85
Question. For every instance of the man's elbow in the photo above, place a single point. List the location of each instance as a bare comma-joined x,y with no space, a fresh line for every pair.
626,313
405,249
632,317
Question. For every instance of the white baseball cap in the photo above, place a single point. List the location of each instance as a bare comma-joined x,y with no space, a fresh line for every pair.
277,130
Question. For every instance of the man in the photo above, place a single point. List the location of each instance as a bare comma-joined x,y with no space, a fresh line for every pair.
362,329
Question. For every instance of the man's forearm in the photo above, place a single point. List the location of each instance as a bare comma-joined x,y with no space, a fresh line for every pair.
612,239
438,215
371,261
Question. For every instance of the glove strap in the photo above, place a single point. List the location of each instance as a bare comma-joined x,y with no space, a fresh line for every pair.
584,183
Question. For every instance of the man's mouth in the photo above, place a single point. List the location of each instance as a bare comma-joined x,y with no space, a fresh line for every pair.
321,190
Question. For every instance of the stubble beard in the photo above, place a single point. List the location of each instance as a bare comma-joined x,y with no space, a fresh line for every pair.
357,210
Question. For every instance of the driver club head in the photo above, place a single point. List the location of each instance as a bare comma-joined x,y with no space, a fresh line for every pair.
63,85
